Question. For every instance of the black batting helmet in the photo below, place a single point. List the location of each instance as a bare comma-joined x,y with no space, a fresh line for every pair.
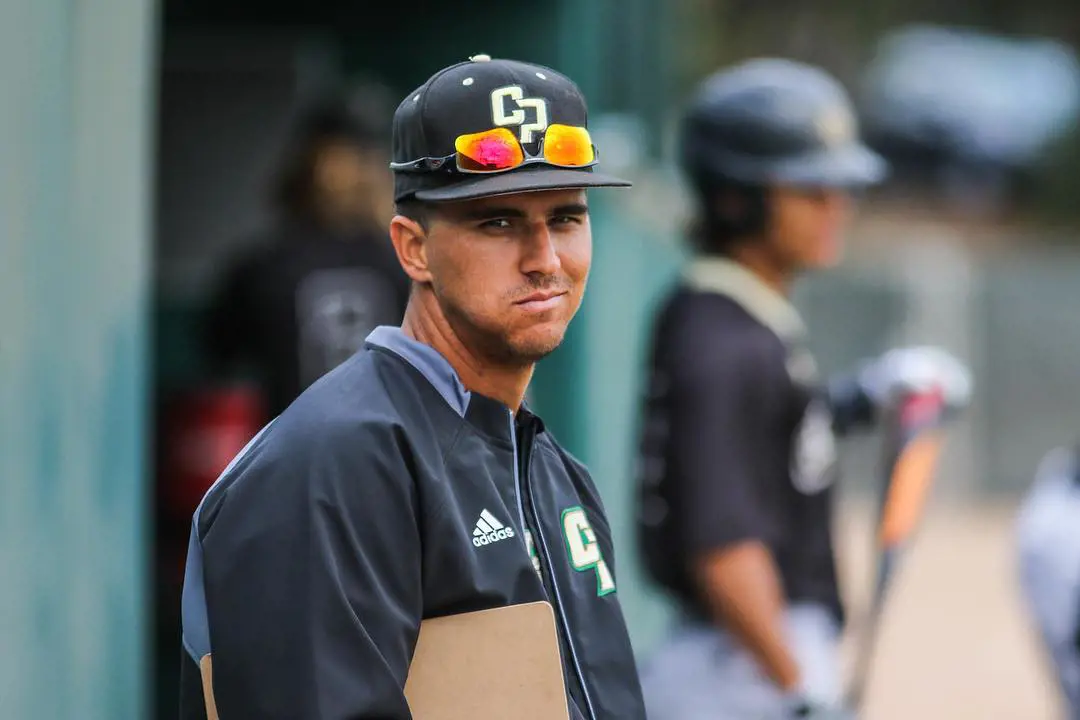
773,121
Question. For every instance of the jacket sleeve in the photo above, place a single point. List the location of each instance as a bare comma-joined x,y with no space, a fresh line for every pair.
313,578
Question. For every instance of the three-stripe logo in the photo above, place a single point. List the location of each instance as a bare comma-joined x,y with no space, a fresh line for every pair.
489,530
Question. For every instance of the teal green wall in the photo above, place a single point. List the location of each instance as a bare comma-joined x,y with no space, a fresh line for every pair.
631,268
588,391
75,83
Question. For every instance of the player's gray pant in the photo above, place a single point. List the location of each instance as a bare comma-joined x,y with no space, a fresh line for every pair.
1048,535
703,673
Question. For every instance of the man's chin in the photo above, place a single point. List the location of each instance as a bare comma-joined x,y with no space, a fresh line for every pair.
536,344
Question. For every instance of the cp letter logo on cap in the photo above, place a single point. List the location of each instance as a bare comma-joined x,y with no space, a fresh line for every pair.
518,116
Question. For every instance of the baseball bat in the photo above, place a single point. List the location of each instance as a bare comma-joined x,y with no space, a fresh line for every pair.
912,447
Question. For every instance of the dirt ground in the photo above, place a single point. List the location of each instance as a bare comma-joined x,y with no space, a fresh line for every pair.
955,643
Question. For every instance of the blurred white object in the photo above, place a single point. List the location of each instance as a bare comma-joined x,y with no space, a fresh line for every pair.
702,671
622,139
974,95
917,370
1048,541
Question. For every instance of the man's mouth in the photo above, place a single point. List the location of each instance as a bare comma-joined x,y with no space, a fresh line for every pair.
541,300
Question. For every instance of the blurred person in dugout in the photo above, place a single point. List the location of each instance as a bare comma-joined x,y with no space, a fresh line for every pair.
1048,537
737,449
303,299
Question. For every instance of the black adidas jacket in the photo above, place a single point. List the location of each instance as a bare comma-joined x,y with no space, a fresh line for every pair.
386,494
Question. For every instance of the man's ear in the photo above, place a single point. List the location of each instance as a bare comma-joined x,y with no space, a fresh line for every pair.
410,244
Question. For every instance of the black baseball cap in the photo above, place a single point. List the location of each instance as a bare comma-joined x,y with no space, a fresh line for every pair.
479,95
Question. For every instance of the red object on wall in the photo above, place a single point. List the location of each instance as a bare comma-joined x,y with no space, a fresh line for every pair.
204,429
200,431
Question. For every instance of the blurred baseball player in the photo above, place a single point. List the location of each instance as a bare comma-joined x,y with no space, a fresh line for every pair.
1048,533
411,481
301,299
737,451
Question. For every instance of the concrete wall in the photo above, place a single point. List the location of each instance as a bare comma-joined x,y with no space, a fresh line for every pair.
76,84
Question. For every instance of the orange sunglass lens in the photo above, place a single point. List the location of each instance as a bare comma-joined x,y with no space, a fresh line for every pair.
568,146
489,151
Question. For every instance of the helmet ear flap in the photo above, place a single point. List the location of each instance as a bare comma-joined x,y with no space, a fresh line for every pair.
730,213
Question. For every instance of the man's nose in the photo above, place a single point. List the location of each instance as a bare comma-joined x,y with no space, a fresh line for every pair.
540,254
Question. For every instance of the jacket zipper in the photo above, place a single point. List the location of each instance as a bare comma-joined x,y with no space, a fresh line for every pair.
517,484
521,466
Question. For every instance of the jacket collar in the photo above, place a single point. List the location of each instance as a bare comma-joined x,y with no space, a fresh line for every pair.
435,368
490,415
766,305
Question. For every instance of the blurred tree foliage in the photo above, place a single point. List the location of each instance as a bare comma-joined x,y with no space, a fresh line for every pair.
841,35
1056,182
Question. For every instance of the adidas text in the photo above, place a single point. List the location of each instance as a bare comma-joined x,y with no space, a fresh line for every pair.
489,530
491,537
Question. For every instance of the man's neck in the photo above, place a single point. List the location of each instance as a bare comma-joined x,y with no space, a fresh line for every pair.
757,261
425,322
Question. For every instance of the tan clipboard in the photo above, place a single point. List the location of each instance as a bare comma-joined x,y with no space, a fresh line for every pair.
206,669
498,663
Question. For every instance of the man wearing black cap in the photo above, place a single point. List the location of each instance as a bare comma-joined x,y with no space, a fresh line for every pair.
737,448
411,481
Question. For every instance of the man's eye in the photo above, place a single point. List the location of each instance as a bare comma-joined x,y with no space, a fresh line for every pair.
496,224
565,219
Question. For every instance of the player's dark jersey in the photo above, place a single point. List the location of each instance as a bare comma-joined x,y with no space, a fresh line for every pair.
737,441
302,302
386,494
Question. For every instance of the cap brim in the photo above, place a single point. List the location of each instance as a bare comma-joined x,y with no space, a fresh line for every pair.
520,181
852,166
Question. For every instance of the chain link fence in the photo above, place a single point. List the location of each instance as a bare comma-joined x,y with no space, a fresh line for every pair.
1012,314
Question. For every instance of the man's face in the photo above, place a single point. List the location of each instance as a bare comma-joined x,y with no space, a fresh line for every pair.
807,226
352,184
509,272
